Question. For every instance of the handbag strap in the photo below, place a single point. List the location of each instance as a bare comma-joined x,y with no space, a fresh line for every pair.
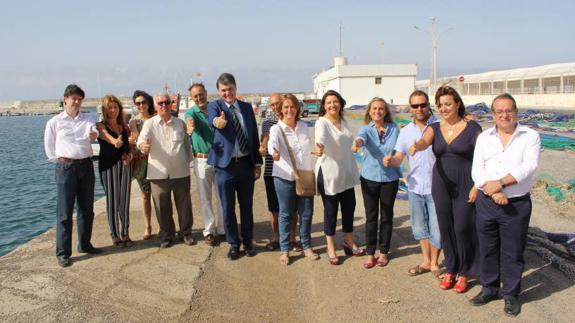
290,152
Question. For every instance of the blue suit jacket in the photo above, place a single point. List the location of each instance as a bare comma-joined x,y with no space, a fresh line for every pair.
224,139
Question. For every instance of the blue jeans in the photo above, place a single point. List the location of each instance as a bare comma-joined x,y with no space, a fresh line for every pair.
74,182
424,219
288,202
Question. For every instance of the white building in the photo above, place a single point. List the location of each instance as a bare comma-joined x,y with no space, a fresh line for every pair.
360,83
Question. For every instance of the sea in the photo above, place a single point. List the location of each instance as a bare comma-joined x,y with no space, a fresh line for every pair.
27,187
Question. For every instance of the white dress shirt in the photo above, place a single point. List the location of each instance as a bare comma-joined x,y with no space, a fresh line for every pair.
493,161
67,137
300,144
337,163
170,150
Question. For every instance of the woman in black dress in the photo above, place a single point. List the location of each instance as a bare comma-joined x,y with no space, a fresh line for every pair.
452,188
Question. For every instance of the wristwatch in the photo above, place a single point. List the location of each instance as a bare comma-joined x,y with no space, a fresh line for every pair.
502,183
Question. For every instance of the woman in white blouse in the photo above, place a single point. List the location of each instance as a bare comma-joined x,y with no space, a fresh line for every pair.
336,173
296,132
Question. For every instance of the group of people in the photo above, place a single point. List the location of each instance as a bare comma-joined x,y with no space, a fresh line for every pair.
468,190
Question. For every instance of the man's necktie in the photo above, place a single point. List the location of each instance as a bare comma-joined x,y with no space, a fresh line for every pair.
242,141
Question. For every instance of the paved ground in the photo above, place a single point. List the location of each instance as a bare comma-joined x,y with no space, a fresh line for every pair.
198,283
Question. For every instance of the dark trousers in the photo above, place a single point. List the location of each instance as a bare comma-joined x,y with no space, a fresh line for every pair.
237,178
502,232
345,199
378,199
162,195
74,182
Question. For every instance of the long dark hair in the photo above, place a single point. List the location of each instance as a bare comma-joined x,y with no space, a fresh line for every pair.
324,98
448,90
148,98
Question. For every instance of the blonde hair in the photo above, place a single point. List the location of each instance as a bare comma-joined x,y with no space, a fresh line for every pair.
387,118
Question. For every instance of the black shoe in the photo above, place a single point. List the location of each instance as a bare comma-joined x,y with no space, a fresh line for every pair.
166,244
234,253
249,250
512,307
482,299
64,261
90,250
189,240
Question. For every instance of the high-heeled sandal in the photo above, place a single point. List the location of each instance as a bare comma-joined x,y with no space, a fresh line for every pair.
461,285
147,233
447,282
350,251
333,261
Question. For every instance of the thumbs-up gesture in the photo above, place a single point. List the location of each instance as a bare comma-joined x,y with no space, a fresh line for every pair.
357,143
318,149
275,155
221,121
387,161
119,142
92,135
413,149
133,136
145,147
190,125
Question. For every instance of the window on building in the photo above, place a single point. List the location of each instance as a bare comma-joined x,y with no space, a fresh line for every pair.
378,80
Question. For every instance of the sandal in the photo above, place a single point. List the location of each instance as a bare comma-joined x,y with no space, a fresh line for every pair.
370,263
295,246
127,242
310,254
147,233
418,270
272,245
382,262
284,258
438,273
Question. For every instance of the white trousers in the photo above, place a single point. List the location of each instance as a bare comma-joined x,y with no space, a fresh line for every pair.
205,178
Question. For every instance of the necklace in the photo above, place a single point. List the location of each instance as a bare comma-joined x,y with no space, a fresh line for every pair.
451,129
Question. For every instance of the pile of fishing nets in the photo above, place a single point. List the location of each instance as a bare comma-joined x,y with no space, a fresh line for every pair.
558,248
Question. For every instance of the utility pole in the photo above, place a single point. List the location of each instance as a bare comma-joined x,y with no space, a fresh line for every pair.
433,57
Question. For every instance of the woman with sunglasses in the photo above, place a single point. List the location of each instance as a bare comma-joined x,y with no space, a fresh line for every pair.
379,184
452,187
115,169
144,103
337,174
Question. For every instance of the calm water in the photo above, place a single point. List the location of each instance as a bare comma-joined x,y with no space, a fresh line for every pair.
27,188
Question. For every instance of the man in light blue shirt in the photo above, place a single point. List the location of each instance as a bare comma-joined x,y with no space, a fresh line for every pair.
423,217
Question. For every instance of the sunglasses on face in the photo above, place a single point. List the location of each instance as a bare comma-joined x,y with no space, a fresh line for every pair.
138,103
418,106
163,103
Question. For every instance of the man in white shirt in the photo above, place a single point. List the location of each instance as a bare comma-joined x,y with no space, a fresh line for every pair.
67,142
504,162
165,139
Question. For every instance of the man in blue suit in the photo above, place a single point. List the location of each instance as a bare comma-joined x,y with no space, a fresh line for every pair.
236,160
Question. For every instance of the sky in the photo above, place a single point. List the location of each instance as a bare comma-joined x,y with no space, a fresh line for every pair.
119,46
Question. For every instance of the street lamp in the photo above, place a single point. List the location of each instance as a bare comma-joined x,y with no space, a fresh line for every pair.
433,77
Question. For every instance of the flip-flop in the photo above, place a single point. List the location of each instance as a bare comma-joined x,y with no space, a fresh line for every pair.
272,245
417,270
438,273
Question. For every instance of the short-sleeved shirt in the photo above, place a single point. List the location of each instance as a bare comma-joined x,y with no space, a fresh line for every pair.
420,164
337,164
203,136
375,147
268,122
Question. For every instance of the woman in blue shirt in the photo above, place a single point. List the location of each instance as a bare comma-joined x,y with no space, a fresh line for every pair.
379,184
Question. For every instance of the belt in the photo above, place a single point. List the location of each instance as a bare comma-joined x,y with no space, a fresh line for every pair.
200,155
239,159
74,161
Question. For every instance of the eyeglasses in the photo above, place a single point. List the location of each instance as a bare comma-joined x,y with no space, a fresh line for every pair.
138,103
501,112
419,106
164,103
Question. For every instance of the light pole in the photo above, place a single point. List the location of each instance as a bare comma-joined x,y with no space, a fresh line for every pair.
433,77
